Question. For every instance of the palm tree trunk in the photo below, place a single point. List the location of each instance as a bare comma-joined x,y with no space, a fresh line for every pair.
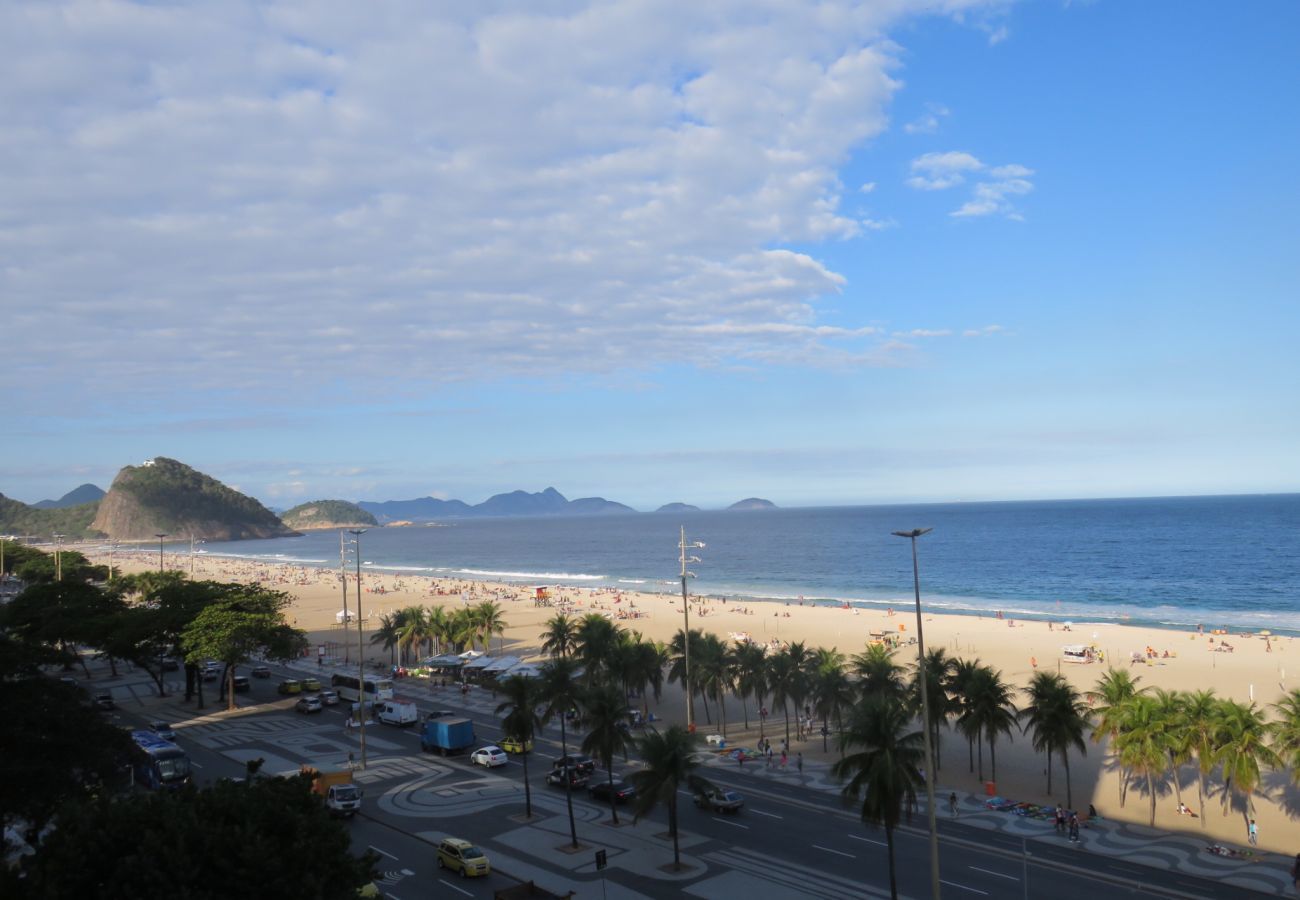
613,807
993,757
981,758
722,711
672,826
1178,788
1200,794
528,793
1151,789
1049,771
785,707
1065,760
568,787
893,876
970,750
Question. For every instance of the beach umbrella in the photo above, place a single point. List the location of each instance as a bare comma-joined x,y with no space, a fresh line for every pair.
1266,633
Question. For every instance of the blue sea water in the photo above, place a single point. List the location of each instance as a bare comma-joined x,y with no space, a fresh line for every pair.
1173,562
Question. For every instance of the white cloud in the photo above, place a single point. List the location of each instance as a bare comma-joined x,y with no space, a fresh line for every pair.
868,187
878,224
938,171
928,122
985,331
989,196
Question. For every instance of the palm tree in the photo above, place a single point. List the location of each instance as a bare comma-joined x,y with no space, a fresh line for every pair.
938,669
560,693
1242,736
413,631
605,709
522,722
387,635
1057,718
560,635
801,661
991,710
781,675
751,678
878,672
885,773
832,692
670,762
462,630
1177,736
439,625
646,672
715,672
489,619
959,678
677,661
1286,732
1142,744
596,640
1113,692
1200,710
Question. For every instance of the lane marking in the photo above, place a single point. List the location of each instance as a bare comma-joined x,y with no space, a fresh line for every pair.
377,850
730,822
998,874
964,887
759,812
867,840
836,852
454,888
195,765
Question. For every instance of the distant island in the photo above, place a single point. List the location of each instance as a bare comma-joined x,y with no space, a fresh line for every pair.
677,508
320,514
752,503
549,502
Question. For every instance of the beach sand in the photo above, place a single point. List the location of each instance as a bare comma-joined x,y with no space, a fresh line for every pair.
1251,670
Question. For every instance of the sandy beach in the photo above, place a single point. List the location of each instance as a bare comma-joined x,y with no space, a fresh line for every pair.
1255,669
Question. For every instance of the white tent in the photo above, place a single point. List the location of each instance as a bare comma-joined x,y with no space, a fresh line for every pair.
343,616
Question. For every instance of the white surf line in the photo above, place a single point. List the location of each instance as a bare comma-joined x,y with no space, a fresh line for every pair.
454,888
759,812
866,840
377,850
991,872
964,887
836,852
729,822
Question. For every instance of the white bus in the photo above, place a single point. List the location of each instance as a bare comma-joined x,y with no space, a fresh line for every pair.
349,688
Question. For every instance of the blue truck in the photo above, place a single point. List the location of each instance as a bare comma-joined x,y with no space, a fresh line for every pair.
447,735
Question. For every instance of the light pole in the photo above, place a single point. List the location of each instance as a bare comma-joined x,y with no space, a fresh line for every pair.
343,577
192,543
112,548
925,712
686,632
58,557
361,654
160,537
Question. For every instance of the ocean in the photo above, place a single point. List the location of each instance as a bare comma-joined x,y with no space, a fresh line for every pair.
1171,562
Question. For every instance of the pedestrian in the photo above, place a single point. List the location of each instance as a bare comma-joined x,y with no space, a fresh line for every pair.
769,756
784,758
1253,832
1060,819
1074,828
952,804
351,761
799,762
740,758
347,723
1295,872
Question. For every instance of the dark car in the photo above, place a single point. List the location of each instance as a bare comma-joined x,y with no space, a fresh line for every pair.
439,714
261,671
169,665
242,684
103,702
575,778
584,764
620,789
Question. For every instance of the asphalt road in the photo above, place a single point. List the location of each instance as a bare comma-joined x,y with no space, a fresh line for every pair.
792,841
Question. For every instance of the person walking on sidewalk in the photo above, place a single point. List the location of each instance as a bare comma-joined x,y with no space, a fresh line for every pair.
1253,833
799,761
1074,828
347,724
952,804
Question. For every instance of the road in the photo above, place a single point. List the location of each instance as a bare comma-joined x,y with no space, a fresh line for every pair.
787,842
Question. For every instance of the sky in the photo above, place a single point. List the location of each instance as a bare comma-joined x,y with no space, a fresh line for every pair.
822,253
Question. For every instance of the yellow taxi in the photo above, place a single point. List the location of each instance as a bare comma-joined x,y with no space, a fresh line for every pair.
310,684
290,687
514,745
463,857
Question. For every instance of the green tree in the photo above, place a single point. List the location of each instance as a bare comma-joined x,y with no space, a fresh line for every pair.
1057,719
670,763
62,614
560,636
938,671
605,712
1110,697
1242,735
832,692
522,721
714,670
235,629
560,694
878,672
489,619
412,632
1142,743
1200,709
751,678
990,707
884,772
1285,732
596,638
273,838
388,634
959,683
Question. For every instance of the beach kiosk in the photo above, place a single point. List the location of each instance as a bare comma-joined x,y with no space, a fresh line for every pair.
1077,653
886,637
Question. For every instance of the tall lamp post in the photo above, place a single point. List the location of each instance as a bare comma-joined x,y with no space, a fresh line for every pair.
343,577
361,658
58,557
925,712
160,537
686,632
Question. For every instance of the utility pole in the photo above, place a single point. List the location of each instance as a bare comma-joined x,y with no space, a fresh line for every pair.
58,557
343,577
686,632
361,653
160,537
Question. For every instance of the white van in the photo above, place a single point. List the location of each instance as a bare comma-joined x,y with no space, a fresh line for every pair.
397,711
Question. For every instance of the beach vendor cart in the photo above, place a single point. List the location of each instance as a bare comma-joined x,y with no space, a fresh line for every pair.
1077,653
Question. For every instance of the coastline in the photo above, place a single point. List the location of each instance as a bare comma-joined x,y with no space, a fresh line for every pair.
1253,671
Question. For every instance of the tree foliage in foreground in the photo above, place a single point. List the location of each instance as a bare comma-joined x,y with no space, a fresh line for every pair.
271,838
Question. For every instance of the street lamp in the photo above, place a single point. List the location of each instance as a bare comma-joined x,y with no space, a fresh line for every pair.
686,632
361,655
58,557
925,712
160,537
192,543
343,577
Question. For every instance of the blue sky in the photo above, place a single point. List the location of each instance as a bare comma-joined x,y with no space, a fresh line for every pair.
851,253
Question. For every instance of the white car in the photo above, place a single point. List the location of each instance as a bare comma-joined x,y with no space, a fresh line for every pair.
329,698
716,740
489,756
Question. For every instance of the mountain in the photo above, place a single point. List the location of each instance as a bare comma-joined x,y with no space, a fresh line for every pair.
87,493
549,502
326,514
17,517
167,496
753,503
677,508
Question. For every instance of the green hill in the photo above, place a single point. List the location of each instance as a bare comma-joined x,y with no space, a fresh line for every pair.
326,514
19,518
167,496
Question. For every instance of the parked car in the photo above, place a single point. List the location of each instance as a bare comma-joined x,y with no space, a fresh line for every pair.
310,684
584,764
514,745
622,791
169,665
103,702
440,714
719,800
242,684
211,674
290,687
575,779
463,857
163,730
329,698
261,671
309,704
490,757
